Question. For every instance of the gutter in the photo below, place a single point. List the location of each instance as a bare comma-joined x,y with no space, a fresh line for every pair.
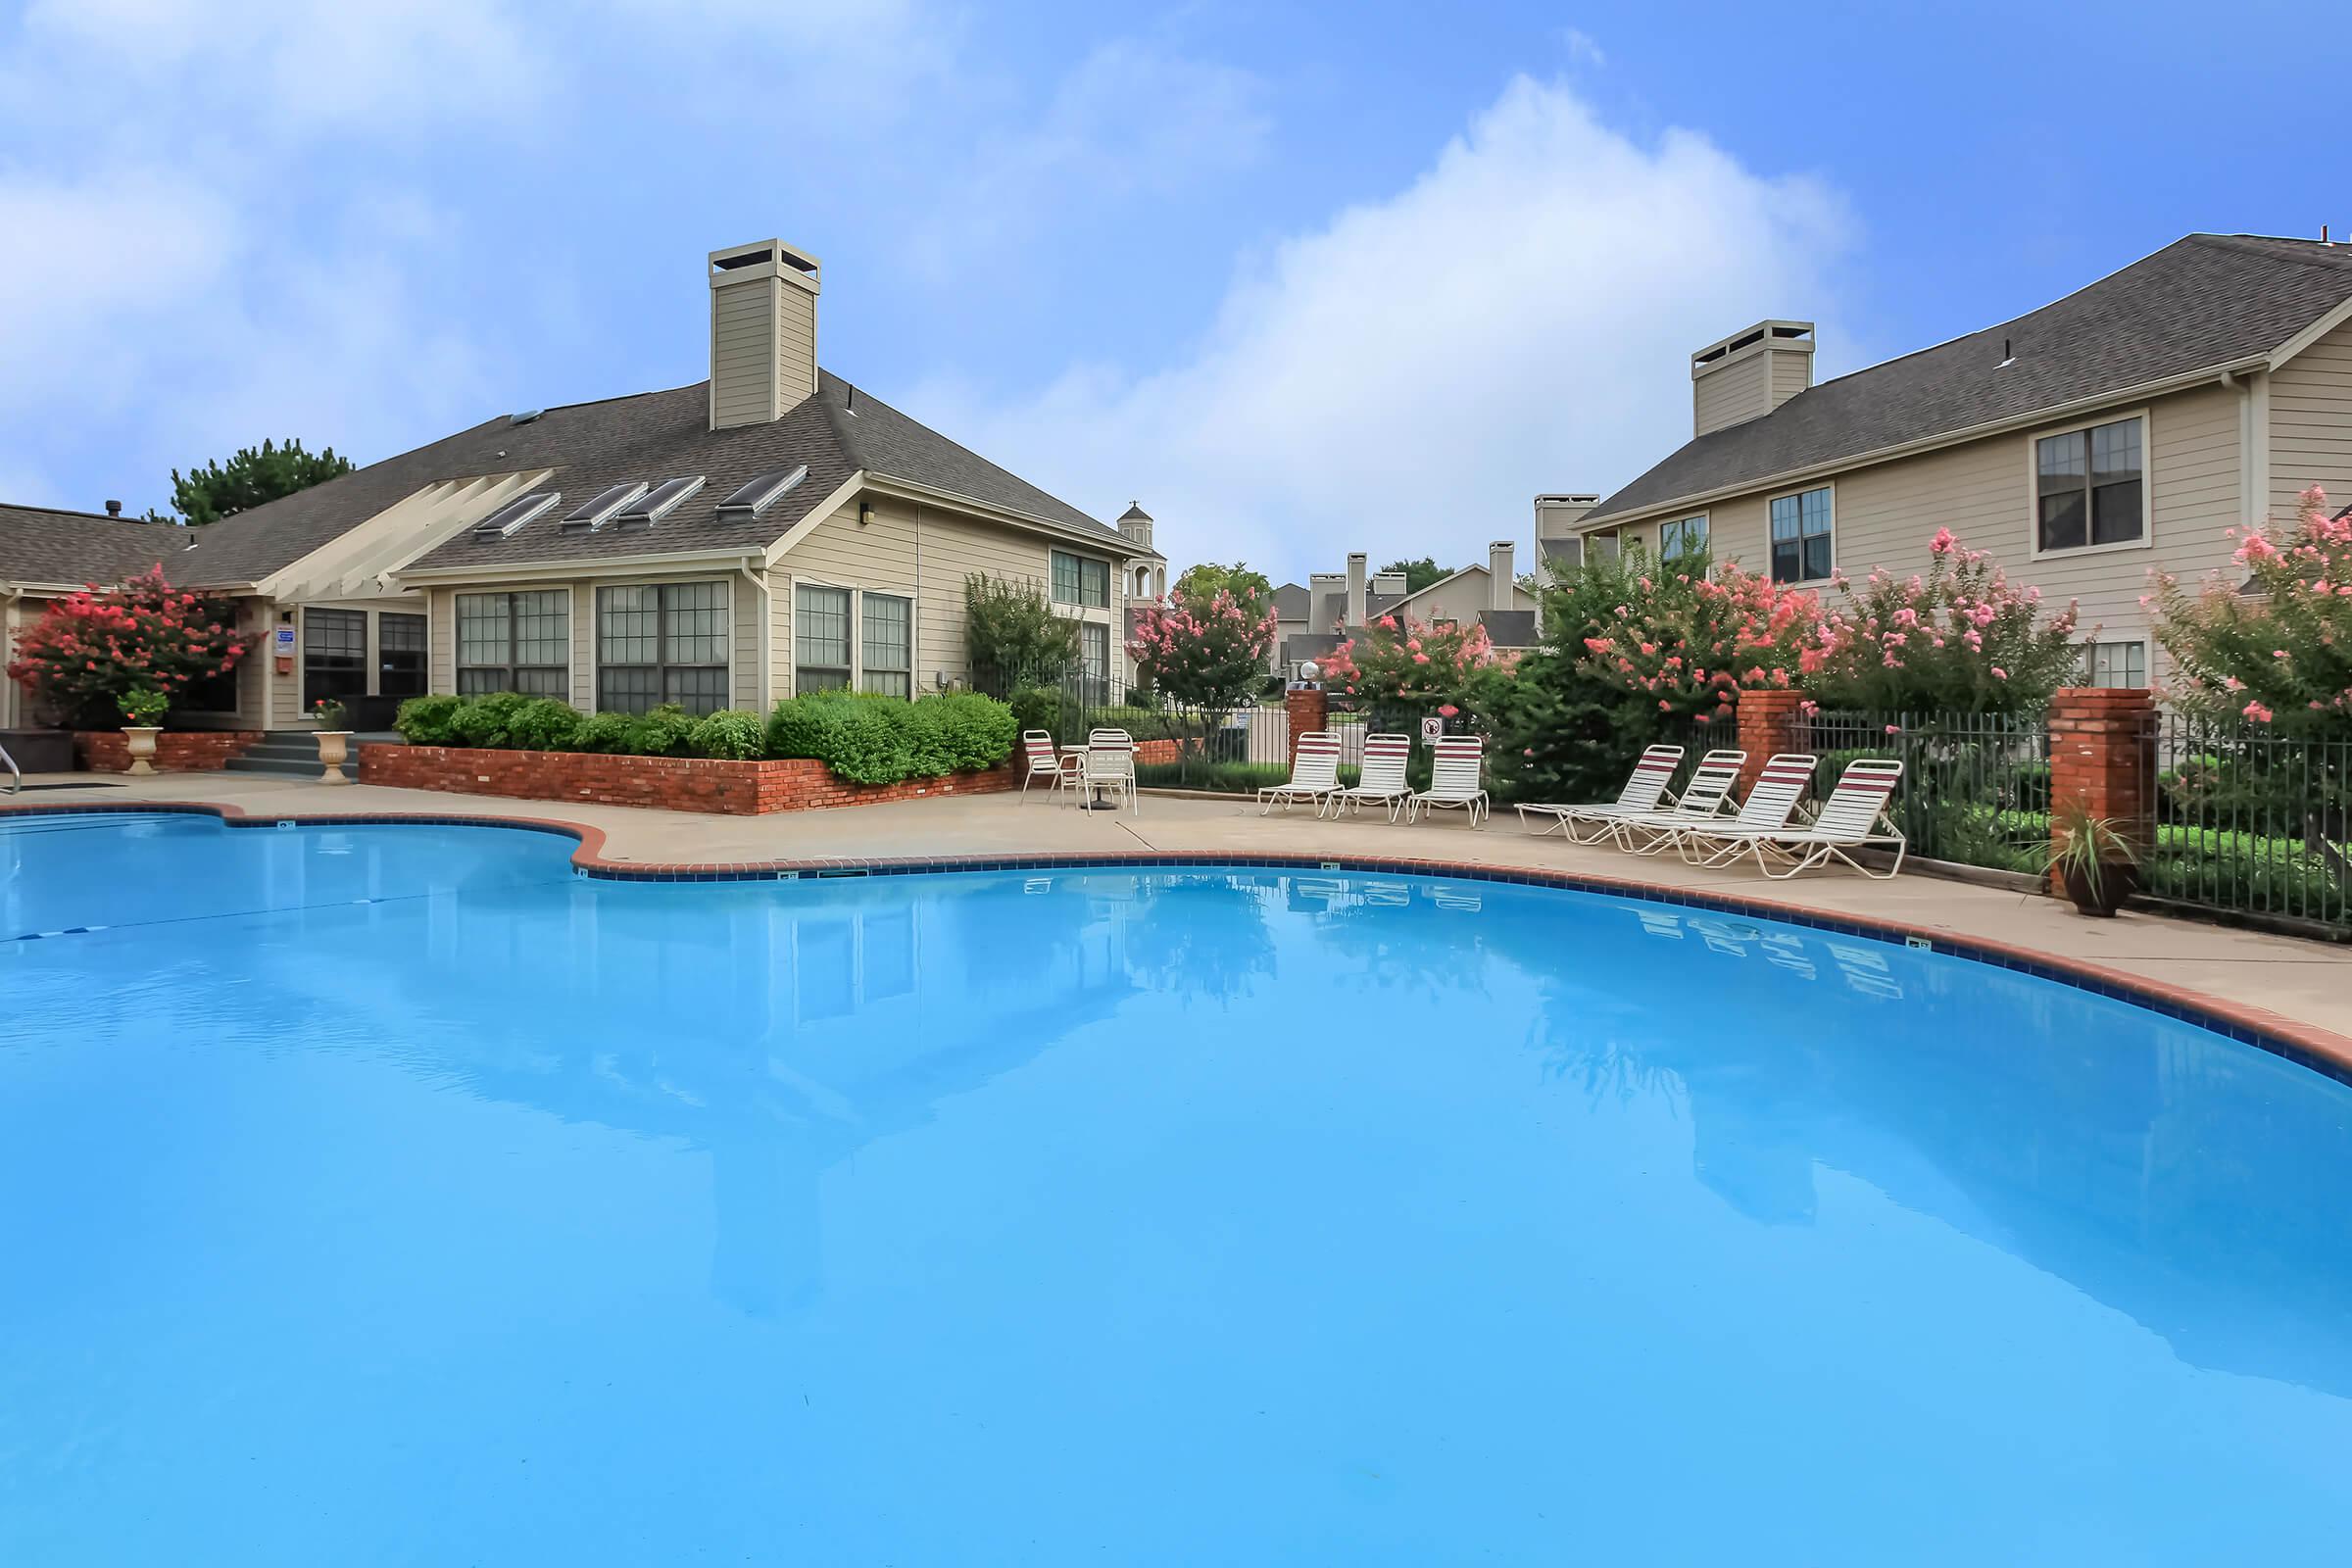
2188,381
577,567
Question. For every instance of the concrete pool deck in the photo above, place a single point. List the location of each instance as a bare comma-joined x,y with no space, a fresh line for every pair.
2307,983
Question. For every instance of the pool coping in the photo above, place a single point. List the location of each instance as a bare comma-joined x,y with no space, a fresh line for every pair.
2306,1045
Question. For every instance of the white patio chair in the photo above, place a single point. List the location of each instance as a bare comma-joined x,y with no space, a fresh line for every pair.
1044,763
1381,781
1109,769
1315,774
1769,806
1645,791
1705,798
1855,817
1454,779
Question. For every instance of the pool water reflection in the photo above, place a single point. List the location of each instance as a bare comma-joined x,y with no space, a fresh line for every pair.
1132,1216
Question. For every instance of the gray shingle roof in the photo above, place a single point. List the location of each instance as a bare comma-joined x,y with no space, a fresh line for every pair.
650,436
2204,301
1509,628
48,545
1290,602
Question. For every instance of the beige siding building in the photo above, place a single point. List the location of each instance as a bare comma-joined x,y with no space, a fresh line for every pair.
2121,431
771,531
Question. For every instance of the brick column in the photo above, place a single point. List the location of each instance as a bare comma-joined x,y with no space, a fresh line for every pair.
1768,721
2103,754
1304,706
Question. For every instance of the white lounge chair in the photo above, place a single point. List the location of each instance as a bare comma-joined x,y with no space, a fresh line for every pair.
1770,804
1855,817
1704,798
1382,780
1454,779
1645,790
1044,763
1315,774
1109,769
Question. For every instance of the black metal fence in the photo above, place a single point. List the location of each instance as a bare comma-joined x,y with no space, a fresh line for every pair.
1975,787
1178,746
2251,824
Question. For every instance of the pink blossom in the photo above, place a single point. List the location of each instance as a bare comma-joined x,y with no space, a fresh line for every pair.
1895,729
1420,659
1943,543
1998,674
2258,713
1447,710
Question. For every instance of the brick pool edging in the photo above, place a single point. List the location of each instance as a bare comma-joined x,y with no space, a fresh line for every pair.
2322,1051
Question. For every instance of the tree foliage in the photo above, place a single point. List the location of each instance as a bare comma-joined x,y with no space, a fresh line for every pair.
1252,590
1418,575
1206,654
1404,666
254,475
2279,656
1013,637
91,649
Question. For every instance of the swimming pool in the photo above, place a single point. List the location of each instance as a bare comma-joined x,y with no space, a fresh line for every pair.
393,1195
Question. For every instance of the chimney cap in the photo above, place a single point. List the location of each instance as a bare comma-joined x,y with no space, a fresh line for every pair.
114,509
1500,544
1771,332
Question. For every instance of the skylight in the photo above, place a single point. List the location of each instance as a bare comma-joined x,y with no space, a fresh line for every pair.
657,503
515,514
761,494
590,515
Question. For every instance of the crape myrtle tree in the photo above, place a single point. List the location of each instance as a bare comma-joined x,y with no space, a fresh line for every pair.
91,649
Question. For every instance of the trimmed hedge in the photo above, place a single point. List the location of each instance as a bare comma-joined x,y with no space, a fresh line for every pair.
861,737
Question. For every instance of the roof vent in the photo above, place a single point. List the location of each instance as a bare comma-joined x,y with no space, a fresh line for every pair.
525,417
503,522
590,515
657,503
759,494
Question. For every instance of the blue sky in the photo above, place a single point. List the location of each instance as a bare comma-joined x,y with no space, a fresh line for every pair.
1302,278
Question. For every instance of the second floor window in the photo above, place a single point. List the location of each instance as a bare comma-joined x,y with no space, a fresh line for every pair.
1081,580
1803,536
1684,536
2089,487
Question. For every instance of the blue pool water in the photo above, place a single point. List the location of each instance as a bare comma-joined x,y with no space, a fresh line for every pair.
392,1196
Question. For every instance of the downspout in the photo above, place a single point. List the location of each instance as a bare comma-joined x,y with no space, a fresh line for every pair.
760,610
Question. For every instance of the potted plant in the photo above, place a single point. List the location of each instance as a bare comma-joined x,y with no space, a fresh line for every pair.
2093,859
144,707
334,741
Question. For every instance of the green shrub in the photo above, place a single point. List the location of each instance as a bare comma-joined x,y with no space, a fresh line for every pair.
880,739
543,724
975,732
483,720
427,720
603,732
731,735
663,732
1036,707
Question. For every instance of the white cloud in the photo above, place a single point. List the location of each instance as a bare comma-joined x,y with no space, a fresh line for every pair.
1406,378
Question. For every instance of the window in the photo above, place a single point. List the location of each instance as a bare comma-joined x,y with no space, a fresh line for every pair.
1801,536
1093,661
820,638
885,623
2089,487
1081,580
661,642
334,653
514,643
2116,664
399,655
1684,536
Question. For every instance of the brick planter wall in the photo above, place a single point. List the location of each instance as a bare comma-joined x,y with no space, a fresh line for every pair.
1307,709
665,783
1768,723
1149,754
178,750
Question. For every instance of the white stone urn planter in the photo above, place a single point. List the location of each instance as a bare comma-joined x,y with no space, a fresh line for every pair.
334,745
141,738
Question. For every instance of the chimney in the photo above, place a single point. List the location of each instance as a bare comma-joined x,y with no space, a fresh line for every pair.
1357,564
1556,517
1503,589
114,509
1748,374
763,332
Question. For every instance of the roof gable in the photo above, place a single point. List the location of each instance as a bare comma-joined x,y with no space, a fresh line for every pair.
2201,303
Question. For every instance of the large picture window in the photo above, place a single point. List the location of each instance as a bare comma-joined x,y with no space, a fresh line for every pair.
661,642
1081,580
1803,536
886,625
2089,487
1683,536
821,639
514,643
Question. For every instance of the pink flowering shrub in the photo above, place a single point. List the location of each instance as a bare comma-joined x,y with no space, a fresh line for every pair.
91,649
1961,638
1686,643
1404,665
1204,652
2277,655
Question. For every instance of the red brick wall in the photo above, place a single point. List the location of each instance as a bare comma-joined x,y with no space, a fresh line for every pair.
1767,727
667,783
1305,707
2103,754
1153,752
189,750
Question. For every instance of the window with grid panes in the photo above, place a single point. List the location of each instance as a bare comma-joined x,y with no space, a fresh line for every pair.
517,642
886,625
820,638
661,642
